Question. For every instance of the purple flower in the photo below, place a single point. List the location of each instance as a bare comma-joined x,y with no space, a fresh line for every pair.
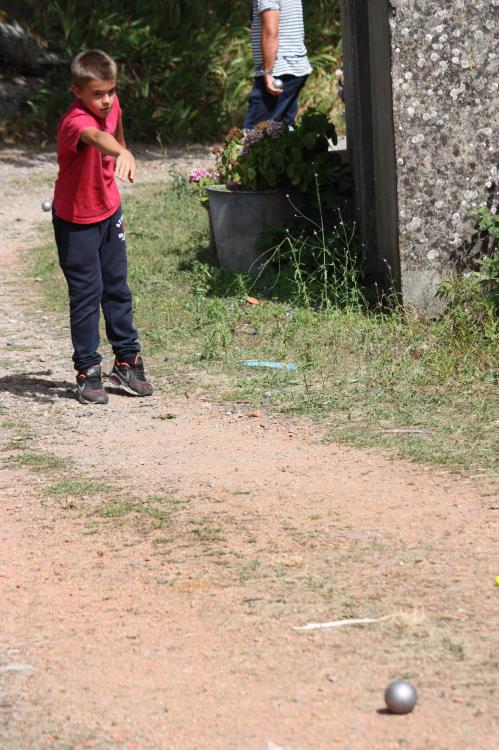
270,128
275,129
197,174
250,139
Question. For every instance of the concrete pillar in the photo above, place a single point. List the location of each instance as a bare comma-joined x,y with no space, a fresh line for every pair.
421,82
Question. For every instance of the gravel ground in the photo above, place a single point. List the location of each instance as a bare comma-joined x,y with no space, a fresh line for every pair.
152,584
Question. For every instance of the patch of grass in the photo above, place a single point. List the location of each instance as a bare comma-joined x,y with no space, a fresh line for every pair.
82,487
154,512
250,570
206,531
91,528
16,444
38,461
455,648
116,508
158,519
22,440
363,374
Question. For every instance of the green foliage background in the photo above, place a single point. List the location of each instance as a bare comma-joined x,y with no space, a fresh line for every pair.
185,65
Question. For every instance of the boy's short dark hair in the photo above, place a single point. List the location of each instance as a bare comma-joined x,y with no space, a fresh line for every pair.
92,65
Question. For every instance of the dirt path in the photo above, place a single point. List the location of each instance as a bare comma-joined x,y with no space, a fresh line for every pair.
150,587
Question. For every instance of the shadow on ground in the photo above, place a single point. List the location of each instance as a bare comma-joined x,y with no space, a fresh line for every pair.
34,385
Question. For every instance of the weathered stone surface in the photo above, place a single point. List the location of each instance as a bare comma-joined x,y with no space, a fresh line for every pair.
20,53
421,86
13,93
445,107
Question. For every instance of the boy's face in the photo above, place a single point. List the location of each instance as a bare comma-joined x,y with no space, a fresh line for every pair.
97,96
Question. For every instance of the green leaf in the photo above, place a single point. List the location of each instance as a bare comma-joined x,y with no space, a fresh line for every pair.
309,140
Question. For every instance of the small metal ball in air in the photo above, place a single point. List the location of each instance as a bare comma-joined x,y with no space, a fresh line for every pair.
46,205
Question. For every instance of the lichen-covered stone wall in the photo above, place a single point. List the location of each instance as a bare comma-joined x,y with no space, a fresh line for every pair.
445,74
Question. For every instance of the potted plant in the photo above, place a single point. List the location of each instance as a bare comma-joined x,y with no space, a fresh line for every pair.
203,179
264,172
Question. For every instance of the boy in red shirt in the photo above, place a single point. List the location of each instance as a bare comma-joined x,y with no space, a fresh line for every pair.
89,230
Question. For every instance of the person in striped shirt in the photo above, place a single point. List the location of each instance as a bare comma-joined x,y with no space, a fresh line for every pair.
279,52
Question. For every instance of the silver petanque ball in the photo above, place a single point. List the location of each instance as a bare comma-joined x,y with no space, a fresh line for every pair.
278,84
46,205
400,697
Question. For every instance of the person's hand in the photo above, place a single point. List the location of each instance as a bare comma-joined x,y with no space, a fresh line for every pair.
125,166
269,86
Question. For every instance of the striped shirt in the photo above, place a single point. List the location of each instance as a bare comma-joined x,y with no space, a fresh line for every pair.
291,56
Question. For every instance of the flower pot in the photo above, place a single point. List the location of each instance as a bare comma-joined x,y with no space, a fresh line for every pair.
238,218
213,247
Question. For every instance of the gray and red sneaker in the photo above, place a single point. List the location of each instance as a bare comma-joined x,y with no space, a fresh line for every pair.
130,377
90,389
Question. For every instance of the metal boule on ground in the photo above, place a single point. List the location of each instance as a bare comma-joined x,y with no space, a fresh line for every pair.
400,697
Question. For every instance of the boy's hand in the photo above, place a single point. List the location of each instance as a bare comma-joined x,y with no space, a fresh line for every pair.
125,166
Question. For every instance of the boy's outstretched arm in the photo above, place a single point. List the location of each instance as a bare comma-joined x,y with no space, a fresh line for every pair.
108,145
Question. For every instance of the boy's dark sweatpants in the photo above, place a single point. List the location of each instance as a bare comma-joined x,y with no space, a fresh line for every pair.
93,260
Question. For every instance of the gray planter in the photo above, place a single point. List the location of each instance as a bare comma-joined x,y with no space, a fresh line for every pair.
238,218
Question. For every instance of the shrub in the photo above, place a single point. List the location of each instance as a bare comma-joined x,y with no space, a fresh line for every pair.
186,68
274,156
476,291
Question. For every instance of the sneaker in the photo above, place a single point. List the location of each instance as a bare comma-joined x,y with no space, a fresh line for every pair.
89,386
130,377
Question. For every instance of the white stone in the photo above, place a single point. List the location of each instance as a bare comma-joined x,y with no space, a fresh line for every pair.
414,224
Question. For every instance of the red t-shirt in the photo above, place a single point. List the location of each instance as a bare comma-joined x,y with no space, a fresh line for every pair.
85,189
